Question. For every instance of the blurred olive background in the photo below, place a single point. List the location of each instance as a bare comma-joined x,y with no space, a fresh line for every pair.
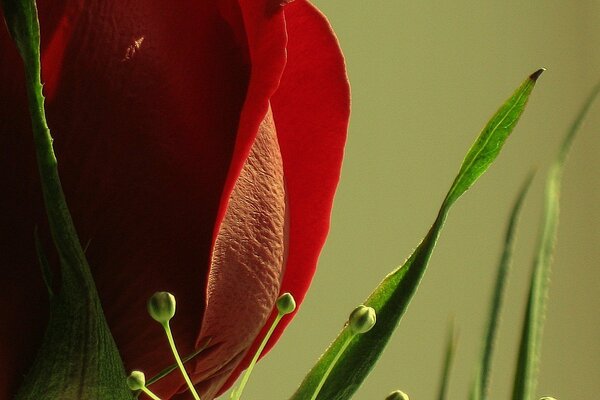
425,77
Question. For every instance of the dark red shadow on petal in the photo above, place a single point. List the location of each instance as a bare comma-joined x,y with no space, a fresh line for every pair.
145,111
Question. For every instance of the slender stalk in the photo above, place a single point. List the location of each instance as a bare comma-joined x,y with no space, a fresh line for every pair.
179,362
237,393
149,393
173,367
331,365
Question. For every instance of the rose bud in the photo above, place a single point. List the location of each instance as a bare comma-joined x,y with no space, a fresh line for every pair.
199,145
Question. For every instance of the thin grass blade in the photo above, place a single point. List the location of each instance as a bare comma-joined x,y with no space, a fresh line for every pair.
447,366
479,391
391,298
529,351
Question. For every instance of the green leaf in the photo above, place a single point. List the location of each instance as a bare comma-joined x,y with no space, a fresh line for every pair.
530,347
391,298
479,391
78,358
490,141
446,367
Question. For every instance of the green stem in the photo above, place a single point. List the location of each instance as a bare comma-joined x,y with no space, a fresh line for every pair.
60,221
331,365
179,362
237,393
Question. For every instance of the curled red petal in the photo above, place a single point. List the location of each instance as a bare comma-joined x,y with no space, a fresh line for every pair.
236,324
311,109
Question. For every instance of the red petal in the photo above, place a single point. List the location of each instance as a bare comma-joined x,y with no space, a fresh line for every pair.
163,82
311,110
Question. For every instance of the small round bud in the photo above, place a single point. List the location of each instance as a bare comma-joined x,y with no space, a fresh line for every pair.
362,319
161,307
397,395
547,398
136,380
286,304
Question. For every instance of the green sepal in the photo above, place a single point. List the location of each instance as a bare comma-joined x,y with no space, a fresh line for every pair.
391,298
78,358
531,336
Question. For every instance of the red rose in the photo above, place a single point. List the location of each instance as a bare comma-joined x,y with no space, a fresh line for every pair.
199,146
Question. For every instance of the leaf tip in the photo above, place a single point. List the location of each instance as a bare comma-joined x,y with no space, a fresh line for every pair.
534,77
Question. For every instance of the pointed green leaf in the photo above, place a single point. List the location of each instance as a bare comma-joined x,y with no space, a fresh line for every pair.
530,347
490,141
479,391
78,358
391,298
447,366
